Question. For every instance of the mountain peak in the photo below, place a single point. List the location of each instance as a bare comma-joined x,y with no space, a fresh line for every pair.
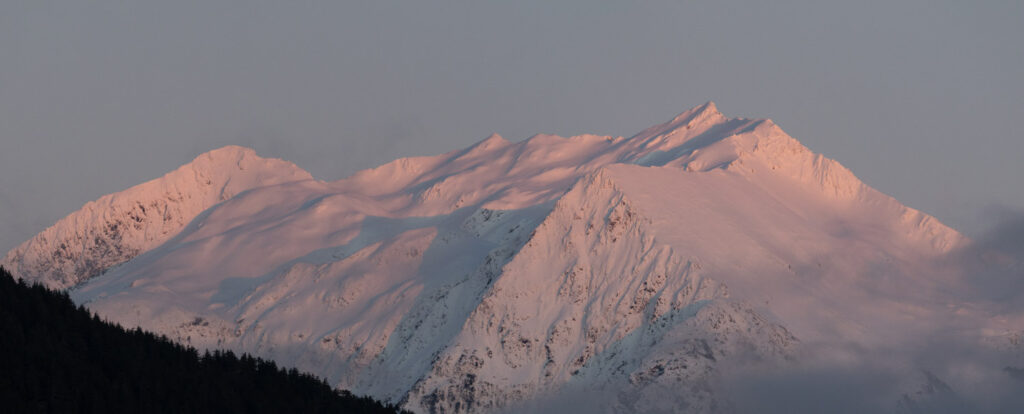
491,142
692,120
696,115
226,154
704,111
118,226
230,149
231,160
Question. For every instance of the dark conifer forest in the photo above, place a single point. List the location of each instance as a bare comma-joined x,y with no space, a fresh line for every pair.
60,358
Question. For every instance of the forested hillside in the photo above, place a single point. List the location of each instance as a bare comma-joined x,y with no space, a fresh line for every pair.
56,357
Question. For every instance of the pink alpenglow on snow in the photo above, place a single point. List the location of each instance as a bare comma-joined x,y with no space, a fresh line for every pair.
638,274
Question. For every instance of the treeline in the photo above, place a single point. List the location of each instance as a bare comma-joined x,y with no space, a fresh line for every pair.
60,358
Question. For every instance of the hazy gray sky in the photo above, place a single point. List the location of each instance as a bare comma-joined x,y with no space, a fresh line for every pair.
921,99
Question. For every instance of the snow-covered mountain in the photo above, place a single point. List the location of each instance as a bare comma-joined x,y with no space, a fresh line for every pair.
120,226
641,269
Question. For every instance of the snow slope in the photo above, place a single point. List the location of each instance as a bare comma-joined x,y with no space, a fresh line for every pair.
117,227
638,268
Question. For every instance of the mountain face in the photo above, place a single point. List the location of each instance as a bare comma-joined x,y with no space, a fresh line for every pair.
120,226
641,270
